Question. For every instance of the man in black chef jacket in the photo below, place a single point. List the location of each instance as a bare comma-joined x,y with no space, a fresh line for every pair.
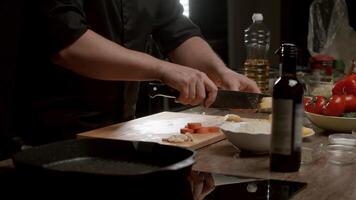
83,59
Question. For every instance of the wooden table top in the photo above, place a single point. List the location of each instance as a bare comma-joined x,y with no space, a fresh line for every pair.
325,180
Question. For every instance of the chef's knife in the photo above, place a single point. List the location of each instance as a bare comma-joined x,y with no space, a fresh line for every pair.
224,98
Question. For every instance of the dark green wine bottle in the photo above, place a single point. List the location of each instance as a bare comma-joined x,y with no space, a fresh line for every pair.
287,112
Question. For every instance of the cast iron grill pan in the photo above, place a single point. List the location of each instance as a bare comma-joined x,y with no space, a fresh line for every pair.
104,157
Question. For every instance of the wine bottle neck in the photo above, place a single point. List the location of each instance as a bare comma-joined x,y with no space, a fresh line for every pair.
289,65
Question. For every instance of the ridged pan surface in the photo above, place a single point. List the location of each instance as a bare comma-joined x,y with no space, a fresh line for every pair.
105,157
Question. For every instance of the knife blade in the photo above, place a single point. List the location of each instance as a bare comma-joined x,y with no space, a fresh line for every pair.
224,98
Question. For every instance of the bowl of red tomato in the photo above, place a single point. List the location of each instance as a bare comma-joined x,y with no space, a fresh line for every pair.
335,113
332,123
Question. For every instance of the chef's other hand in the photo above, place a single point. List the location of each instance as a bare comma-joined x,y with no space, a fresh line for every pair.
230,80
195,87
202,184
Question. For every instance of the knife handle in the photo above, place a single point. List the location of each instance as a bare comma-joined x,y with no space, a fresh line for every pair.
160,89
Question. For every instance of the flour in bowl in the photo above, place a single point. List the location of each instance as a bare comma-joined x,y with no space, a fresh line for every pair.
252,127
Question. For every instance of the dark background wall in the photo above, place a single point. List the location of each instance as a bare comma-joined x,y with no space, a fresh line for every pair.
240,17
10,23
294,25
223,23
211,17
352,14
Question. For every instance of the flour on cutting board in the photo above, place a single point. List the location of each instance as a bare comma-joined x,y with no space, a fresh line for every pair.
160,126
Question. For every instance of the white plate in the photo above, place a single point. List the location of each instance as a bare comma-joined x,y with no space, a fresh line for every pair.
257,141
307,132
339,124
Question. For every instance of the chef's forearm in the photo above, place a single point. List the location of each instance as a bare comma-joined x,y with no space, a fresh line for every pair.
196,53
96,57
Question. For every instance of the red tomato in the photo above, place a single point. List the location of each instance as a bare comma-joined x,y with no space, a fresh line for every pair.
335,106
309,106
350,103
306,100
320,101
214,129
202,130
350,85
314,105
194,125
339,87
186,130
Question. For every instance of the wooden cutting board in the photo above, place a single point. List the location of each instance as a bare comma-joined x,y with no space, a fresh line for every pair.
162,125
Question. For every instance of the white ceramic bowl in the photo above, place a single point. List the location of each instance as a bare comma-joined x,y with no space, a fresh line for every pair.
339,124
253,135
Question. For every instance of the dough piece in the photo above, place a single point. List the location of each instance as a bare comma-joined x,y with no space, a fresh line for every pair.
181,138
232,118
266,104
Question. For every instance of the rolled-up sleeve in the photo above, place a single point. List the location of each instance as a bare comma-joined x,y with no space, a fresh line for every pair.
65,22
172,27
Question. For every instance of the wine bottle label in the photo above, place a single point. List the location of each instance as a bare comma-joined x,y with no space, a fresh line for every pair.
298,126
286,126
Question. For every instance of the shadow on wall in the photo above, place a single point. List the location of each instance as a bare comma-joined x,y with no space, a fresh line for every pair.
352,14
11,18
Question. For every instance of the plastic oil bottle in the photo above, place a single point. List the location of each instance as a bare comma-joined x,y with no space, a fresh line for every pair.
257,42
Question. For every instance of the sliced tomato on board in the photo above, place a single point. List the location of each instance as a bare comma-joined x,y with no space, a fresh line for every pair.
214,129
202,130
186,130
194,125
198,128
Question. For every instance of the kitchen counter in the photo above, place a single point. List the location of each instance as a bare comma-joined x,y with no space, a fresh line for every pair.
325,180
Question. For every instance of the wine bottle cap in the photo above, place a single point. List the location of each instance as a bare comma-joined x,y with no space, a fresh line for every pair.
287,49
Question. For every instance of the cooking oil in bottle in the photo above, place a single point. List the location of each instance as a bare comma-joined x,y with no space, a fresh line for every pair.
258,70
257,42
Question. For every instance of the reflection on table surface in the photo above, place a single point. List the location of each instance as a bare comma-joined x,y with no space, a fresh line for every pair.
207,186
199,186
317,169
